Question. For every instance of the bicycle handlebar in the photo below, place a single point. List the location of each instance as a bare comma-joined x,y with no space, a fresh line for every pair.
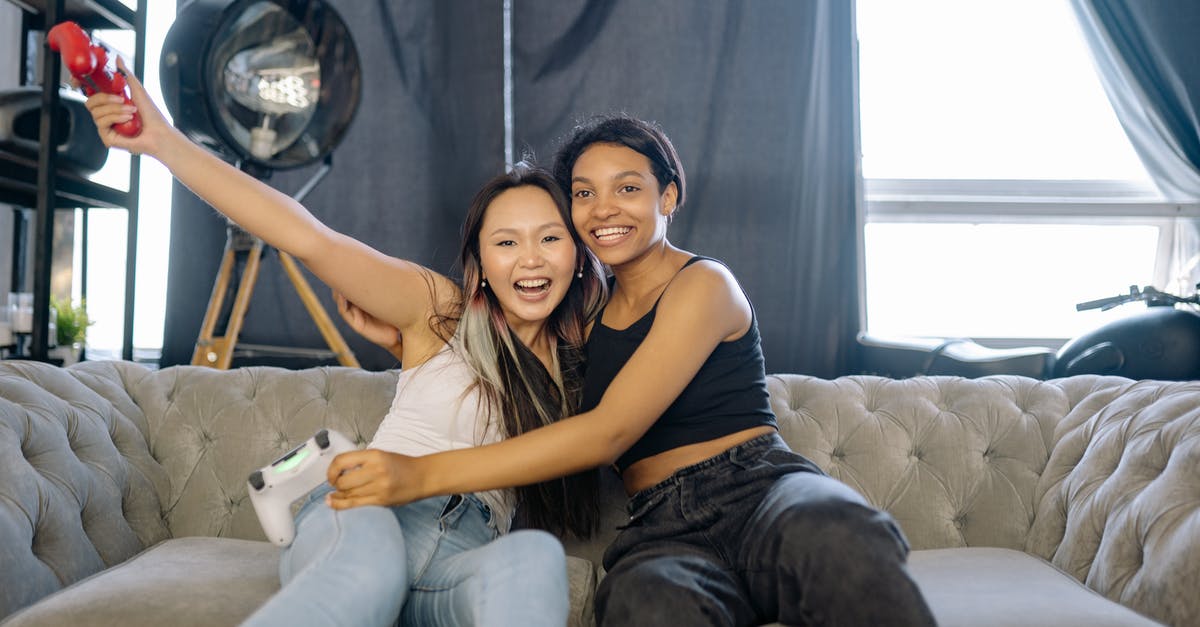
1103,303
1149,294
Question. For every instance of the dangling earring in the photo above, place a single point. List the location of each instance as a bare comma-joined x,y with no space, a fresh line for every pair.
579,275
483,284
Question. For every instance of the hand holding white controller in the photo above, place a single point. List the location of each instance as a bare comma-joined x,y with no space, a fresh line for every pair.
274,487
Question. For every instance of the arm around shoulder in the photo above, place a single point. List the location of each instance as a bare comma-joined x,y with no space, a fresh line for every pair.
703,307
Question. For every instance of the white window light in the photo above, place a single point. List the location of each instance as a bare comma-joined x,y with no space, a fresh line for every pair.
1001,189
107,227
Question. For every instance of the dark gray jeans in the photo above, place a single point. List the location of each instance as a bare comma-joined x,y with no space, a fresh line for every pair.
757,534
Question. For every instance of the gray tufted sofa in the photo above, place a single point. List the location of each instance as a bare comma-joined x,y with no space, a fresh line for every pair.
1066,502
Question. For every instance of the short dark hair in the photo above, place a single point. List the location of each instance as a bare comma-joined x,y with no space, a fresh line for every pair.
646,138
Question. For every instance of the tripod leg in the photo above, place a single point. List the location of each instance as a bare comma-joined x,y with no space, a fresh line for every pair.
204,355
217,352
223,346
332,337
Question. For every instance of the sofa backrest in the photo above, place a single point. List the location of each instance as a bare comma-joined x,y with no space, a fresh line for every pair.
210,428
955,461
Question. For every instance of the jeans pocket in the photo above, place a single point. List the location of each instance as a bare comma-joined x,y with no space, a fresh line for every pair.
451,511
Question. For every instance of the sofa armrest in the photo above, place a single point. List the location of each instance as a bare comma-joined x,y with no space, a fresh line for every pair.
1119,502
78,486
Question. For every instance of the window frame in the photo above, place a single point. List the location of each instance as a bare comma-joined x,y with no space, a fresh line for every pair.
1083,202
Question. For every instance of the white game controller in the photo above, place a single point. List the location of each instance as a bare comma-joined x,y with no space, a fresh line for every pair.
274,487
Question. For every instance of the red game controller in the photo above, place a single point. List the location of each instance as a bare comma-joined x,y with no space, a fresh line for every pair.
88,63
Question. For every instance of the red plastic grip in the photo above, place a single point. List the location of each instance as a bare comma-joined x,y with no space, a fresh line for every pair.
88,63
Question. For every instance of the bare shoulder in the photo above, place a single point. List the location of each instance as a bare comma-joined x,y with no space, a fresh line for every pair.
709,291
705,281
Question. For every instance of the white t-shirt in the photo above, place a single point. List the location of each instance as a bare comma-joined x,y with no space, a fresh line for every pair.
436,408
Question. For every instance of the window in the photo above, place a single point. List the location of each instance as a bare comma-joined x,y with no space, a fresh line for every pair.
107,227
1000,187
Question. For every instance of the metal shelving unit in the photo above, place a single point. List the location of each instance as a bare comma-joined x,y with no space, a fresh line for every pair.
38,183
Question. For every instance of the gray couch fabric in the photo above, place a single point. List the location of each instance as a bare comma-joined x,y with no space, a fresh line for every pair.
1065,502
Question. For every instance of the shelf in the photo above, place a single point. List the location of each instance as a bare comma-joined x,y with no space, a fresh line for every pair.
89,14
18,186
23,184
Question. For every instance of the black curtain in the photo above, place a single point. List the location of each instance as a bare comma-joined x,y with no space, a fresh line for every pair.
1149,65
428,133
758,98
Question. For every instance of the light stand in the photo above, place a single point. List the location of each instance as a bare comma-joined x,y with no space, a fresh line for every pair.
243,255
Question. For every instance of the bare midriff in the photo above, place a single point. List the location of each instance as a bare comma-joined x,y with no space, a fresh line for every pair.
645,473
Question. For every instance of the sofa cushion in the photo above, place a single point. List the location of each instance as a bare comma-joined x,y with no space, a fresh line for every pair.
205,582
986,587
175,582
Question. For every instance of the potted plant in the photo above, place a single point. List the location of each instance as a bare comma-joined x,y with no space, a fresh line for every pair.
72,323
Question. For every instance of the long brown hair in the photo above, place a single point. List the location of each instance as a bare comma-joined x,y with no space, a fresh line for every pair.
510,378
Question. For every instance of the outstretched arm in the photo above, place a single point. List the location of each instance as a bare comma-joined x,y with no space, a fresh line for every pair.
703,306
393,290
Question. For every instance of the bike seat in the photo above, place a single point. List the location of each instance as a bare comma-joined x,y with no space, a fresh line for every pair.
901,357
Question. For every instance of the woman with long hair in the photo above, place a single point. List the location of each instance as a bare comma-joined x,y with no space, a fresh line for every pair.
494,357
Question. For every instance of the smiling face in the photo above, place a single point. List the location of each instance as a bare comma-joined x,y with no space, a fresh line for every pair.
617,205
527,257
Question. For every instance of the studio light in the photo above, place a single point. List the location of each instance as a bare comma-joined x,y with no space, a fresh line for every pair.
270,83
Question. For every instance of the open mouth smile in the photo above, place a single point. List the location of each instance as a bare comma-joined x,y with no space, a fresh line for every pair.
611,233
532,287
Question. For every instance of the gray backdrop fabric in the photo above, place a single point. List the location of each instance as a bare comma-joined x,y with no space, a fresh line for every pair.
758,98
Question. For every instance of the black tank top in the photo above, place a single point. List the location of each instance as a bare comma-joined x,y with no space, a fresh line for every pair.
727,395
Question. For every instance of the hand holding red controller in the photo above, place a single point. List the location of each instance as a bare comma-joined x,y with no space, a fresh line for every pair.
88,63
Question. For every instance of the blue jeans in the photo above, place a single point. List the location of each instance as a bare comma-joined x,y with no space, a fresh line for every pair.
432,562
757,534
